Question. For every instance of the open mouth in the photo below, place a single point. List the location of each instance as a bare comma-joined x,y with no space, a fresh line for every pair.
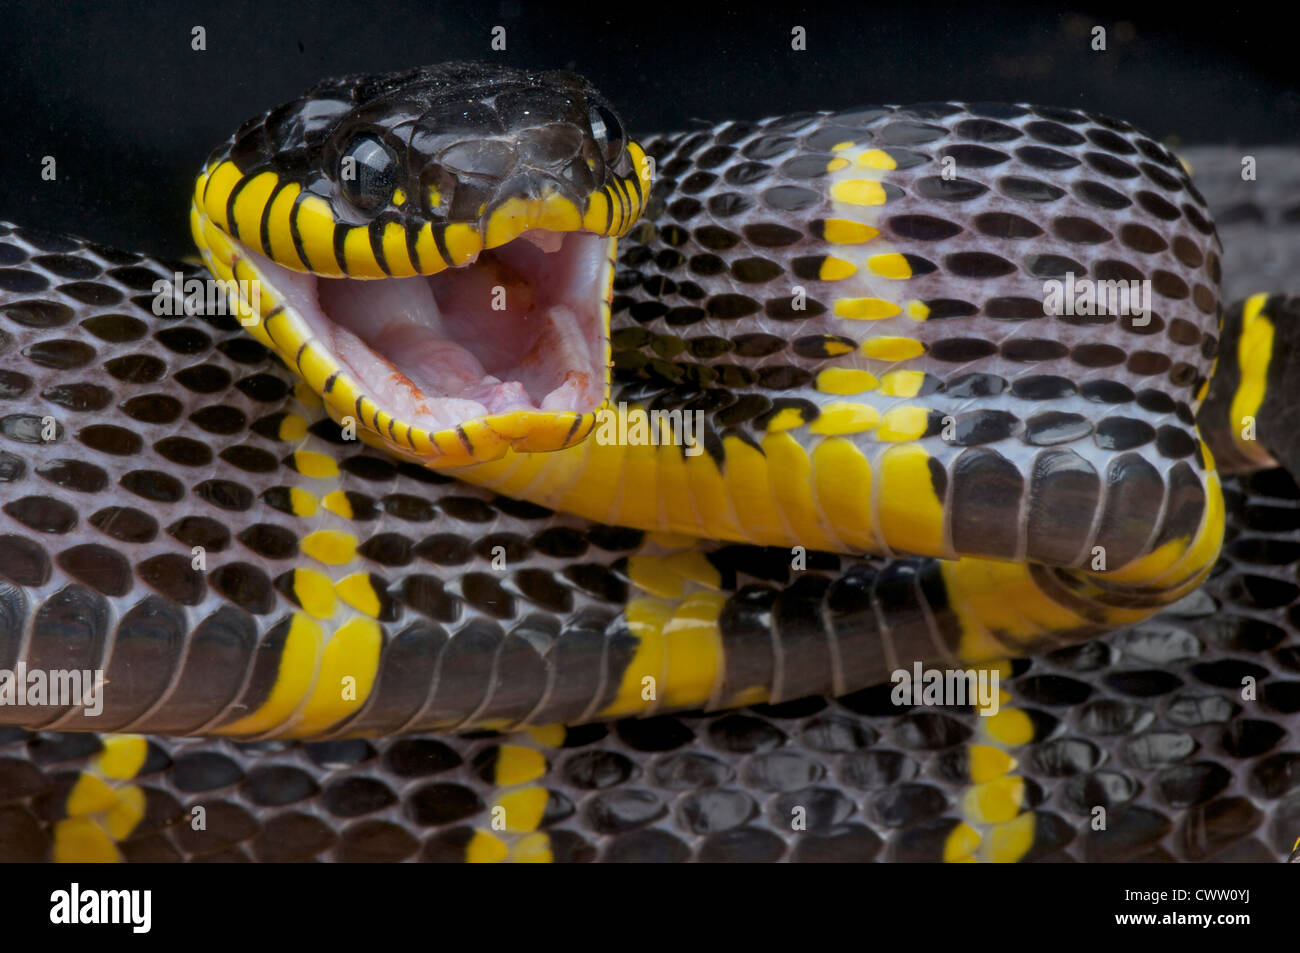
520,327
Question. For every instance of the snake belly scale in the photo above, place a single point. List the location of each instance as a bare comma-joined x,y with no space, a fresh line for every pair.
863,333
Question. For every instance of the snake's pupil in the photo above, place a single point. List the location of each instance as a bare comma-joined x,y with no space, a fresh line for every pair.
367,173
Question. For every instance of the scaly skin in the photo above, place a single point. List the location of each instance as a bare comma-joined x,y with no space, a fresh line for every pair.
611,606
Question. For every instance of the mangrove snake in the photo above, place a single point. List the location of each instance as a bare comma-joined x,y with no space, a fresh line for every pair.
252,522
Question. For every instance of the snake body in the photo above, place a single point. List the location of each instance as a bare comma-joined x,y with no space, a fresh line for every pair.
863,333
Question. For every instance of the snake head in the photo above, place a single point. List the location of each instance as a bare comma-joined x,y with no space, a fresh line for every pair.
432,251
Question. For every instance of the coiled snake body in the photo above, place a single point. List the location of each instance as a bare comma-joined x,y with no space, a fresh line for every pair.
902,460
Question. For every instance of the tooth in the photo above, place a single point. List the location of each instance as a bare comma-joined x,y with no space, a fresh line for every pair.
447,412
501,398
569,395
549,242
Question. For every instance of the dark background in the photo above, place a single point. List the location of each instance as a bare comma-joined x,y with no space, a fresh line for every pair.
115,93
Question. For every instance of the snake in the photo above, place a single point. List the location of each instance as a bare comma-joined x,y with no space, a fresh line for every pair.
501,488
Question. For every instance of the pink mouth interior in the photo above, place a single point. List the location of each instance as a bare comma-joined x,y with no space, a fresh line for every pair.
519,328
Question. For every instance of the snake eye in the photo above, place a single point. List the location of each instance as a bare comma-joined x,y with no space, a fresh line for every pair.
367,173
606,130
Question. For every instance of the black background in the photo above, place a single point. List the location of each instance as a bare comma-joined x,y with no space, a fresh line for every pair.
116,94
1075,900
